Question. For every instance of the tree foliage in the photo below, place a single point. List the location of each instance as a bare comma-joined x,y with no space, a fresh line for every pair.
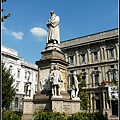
82,93
2,10
8,90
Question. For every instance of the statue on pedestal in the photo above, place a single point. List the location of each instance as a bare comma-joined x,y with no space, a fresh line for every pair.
75,89
53,29
56,78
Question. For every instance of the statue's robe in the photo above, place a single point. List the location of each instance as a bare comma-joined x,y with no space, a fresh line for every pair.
53,29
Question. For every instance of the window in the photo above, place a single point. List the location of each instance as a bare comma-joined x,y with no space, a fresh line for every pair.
71,59
25,74
95,56
112,66
111,53
83,58
96,68
113,76
83,77
96,79
18,73
98,104
83,70
16,102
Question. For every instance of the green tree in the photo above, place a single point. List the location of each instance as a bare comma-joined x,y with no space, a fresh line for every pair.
8,89
82,93
2,10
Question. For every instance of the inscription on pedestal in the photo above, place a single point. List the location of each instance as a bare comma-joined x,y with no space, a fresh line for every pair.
45,106
66,107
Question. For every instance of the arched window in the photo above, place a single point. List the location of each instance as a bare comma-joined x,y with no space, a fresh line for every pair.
16,102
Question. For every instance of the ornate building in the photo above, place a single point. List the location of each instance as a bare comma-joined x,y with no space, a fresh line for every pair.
96,57
24,73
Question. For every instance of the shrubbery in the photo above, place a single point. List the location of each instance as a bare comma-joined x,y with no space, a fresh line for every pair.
10,115
40,115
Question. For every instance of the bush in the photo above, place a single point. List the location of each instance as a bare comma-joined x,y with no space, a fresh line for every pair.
10,115
87,116
40,115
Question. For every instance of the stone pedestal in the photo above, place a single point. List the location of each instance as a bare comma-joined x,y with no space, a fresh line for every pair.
66,106
28,108
43,99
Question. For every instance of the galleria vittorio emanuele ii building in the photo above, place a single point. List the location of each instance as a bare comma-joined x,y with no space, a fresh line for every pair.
94,56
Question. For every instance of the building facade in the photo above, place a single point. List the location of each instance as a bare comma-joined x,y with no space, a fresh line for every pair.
25,75
95,57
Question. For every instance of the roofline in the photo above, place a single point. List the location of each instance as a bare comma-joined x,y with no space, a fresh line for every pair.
89,35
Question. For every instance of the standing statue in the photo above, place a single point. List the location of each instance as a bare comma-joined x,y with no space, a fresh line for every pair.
75,90
53,29
56,78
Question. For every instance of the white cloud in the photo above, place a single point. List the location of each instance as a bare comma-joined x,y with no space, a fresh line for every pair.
38,32
5,29
17,35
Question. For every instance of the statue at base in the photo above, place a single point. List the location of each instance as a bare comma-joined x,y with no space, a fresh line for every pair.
56,78
75,89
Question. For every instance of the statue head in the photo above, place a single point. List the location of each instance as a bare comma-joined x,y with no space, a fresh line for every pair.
55,67
74,73
52,12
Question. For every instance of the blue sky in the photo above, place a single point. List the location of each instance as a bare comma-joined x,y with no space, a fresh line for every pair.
26,31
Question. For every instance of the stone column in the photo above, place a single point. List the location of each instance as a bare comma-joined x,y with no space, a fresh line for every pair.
87,82
66,57
101,54
68,82
116,71
104,101
93,79
91,101
74,63
114,52
99,58
88,76
38,87
116,48
105,53
106,75
103,73
69,59
92,58
108,56
109,77
77,58
100,75
86,58
89,55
